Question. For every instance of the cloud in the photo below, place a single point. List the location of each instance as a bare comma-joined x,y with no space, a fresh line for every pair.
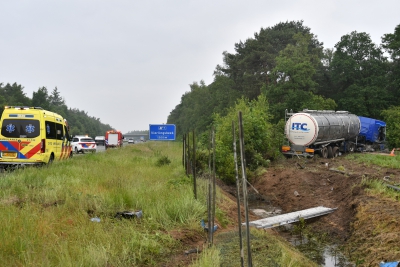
128,62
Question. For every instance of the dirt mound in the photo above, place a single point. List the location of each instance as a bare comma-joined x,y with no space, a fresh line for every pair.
297,184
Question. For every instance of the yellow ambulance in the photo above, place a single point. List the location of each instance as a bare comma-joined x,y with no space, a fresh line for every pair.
32,136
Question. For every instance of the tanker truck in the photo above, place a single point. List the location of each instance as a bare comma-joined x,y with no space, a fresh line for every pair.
329,133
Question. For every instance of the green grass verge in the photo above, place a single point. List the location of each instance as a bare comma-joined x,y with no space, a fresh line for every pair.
378,186
376,159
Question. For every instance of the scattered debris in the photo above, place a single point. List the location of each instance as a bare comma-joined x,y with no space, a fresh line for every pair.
298,164
291,217
190,251
389,264
205,227
264,214
296,193
129,214
335,170
393,187
259,212
95,219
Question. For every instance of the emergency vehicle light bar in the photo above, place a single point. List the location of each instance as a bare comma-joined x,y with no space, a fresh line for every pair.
22,107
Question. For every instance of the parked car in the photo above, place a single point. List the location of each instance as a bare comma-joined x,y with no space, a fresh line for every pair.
100,140
83,144
131,141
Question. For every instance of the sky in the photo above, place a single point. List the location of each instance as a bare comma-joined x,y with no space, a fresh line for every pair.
129,62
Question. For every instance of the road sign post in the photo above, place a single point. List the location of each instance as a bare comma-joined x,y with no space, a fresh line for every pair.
162,132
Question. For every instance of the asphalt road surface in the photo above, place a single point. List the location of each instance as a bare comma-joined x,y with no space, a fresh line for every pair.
98,150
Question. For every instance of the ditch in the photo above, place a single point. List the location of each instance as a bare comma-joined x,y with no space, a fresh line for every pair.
316,246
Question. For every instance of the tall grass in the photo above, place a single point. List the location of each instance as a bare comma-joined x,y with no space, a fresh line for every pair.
45,212
209,258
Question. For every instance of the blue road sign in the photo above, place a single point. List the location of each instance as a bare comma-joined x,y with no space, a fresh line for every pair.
162,132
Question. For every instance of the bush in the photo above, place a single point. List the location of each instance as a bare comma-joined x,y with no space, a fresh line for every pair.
260,137
163,160
392,119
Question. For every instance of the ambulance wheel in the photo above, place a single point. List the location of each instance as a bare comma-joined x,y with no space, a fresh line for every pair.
51,159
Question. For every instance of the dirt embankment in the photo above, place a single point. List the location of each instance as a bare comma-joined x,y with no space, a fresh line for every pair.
369,226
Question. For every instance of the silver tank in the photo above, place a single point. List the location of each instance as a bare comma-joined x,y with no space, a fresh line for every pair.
318,127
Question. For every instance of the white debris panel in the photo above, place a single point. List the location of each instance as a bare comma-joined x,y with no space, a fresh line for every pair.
291,217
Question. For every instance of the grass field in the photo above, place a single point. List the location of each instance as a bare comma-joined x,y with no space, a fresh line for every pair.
46,213
384,160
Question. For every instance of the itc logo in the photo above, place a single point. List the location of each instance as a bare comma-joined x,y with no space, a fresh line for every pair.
298,126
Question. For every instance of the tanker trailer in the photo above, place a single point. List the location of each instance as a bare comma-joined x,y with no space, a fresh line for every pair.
324,132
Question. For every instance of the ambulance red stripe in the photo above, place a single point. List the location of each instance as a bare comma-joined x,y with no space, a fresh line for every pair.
33,151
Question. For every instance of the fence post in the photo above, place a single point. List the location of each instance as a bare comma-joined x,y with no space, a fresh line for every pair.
194,167
238,195
209,198
244,184
184,151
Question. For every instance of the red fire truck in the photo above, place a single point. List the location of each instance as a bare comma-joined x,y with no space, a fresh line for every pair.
113,138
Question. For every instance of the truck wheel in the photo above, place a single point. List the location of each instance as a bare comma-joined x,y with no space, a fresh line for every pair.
351,148
335,152
330,152
324,152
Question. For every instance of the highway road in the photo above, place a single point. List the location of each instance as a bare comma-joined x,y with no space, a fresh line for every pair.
98,150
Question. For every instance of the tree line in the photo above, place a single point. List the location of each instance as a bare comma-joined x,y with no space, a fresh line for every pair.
289,68
78,120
